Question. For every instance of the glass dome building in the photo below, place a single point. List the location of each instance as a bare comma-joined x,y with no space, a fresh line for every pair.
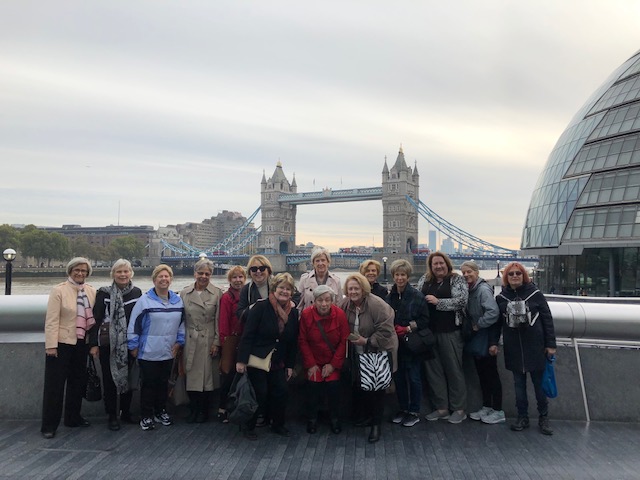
584,216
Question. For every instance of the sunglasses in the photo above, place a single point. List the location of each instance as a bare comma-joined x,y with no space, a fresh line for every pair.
515,273
262,268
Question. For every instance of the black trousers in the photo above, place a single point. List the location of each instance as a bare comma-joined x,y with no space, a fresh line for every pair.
272,392
110,394
226,381
68,369
154,386
368,404
490,384
316,393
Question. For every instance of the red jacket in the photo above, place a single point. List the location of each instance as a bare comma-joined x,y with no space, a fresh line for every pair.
314,348
228,322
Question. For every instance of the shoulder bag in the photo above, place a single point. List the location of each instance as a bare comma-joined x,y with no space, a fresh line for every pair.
375,371
420,342
93,392
261,363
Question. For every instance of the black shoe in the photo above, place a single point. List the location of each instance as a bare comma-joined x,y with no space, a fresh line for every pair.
364,422
81,422
520,424
261,421
312,426
543,425
335,426
281,430
374,434
113,423
49,434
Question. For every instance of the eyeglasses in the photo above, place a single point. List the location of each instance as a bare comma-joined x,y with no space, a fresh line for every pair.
80,271
262,268
515,273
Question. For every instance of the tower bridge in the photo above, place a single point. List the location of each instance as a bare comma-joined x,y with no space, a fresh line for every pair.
279,199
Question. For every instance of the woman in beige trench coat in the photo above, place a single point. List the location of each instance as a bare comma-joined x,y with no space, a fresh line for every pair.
202,344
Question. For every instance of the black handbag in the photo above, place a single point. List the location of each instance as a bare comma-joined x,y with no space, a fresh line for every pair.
420,342
93,392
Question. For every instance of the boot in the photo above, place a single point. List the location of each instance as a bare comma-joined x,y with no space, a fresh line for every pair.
543,425
113,423
520,424
374,434
203,410
335,426
194,406
312,426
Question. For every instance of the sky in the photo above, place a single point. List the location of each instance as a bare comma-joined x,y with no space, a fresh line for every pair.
150,112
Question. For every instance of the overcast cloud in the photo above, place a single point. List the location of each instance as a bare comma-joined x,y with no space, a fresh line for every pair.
174,109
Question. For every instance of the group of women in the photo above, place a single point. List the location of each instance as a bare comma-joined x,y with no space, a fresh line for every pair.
258,327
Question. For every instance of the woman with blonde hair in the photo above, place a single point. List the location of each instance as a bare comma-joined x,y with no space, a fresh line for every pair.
260,271
371,322
371,270
230,332
320,275
112,312
271,331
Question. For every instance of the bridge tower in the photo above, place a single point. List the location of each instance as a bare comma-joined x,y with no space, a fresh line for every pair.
400,219
278,234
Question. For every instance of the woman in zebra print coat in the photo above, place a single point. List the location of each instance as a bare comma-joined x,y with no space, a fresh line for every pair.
371,321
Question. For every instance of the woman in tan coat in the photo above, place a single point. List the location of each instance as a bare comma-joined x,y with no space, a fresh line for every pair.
371,323
69,317
202,309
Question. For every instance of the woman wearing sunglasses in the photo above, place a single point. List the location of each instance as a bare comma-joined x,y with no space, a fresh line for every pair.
259,268
528,337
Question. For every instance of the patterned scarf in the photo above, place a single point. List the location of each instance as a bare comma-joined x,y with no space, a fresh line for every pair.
84,312
118,353
281,312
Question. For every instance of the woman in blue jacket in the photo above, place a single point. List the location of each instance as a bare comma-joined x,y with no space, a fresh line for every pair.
155,335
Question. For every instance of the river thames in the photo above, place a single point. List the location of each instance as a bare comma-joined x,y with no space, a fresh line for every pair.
43,285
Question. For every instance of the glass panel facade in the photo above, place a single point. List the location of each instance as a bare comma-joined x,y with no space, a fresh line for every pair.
607,155
625,91
621,186
618,121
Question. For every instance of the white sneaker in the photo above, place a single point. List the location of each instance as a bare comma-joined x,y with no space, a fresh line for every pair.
480,413
496,416
163,418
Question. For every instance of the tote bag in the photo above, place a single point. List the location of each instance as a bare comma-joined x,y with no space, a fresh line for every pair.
375,371
549,386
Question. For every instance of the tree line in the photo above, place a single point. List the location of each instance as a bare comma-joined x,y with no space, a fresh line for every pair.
47,247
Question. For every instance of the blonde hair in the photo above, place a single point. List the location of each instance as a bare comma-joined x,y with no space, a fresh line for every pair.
361,279
234,271
401,265
160,268
262,260
318,251
121,262
364,265
281,278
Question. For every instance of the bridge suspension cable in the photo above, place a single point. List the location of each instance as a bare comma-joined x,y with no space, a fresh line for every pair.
455,233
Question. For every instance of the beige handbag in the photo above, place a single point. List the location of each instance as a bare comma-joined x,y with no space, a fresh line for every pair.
261,363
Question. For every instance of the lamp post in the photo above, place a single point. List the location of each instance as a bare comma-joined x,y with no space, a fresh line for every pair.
498,268
384,261
9,255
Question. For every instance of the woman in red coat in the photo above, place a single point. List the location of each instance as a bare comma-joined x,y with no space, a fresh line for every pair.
322,340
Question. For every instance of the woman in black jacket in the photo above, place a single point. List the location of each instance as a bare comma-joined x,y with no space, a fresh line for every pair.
271,329
528,337
112,312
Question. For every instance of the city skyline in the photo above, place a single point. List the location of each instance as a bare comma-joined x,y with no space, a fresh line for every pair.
160,113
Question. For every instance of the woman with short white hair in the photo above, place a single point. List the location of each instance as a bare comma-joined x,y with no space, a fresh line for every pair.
112,312
320,275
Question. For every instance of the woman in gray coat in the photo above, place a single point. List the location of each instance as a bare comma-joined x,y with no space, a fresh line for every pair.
202,308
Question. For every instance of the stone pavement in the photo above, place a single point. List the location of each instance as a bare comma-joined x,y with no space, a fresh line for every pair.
470,450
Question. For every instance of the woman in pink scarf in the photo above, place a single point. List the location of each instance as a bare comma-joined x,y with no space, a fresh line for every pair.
69,318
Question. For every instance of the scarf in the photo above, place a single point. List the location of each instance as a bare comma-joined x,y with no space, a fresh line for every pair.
118,352
281,312
84,312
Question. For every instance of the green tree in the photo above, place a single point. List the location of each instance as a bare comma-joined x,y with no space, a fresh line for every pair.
81,248
126,247
44,245
9,238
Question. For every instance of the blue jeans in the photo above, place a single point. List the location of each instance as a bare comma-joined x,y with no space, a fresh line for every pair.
522,402
409,384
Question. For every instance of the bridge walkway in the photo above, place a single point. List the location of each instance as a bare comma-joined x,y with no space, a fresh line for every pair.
471,450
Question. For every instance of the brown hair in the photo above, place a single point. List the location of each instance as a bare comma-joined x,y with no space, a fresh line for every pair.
447,260
234,271
515,266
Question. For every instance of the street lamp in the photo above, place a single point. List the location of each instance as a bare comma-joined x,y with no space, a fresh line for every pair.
202,255
384,260
498,267
9,255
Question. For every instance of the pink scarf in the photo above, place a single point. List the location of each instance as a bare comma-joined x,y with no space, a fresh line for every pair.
281,312
84,316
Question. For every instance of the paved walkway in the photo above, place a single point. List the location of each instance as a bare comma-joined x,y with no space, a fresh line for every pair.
470,450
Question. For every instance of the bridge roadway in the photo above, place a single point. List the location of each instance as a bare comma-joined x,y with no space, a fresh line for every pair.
470,450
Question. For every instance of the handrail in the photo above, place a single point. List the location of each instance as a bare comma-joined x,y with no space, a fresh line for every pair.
599,320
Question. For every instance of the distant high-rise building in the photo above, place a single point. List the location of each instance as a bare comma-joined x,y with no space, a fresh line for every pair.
433,242
448,246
